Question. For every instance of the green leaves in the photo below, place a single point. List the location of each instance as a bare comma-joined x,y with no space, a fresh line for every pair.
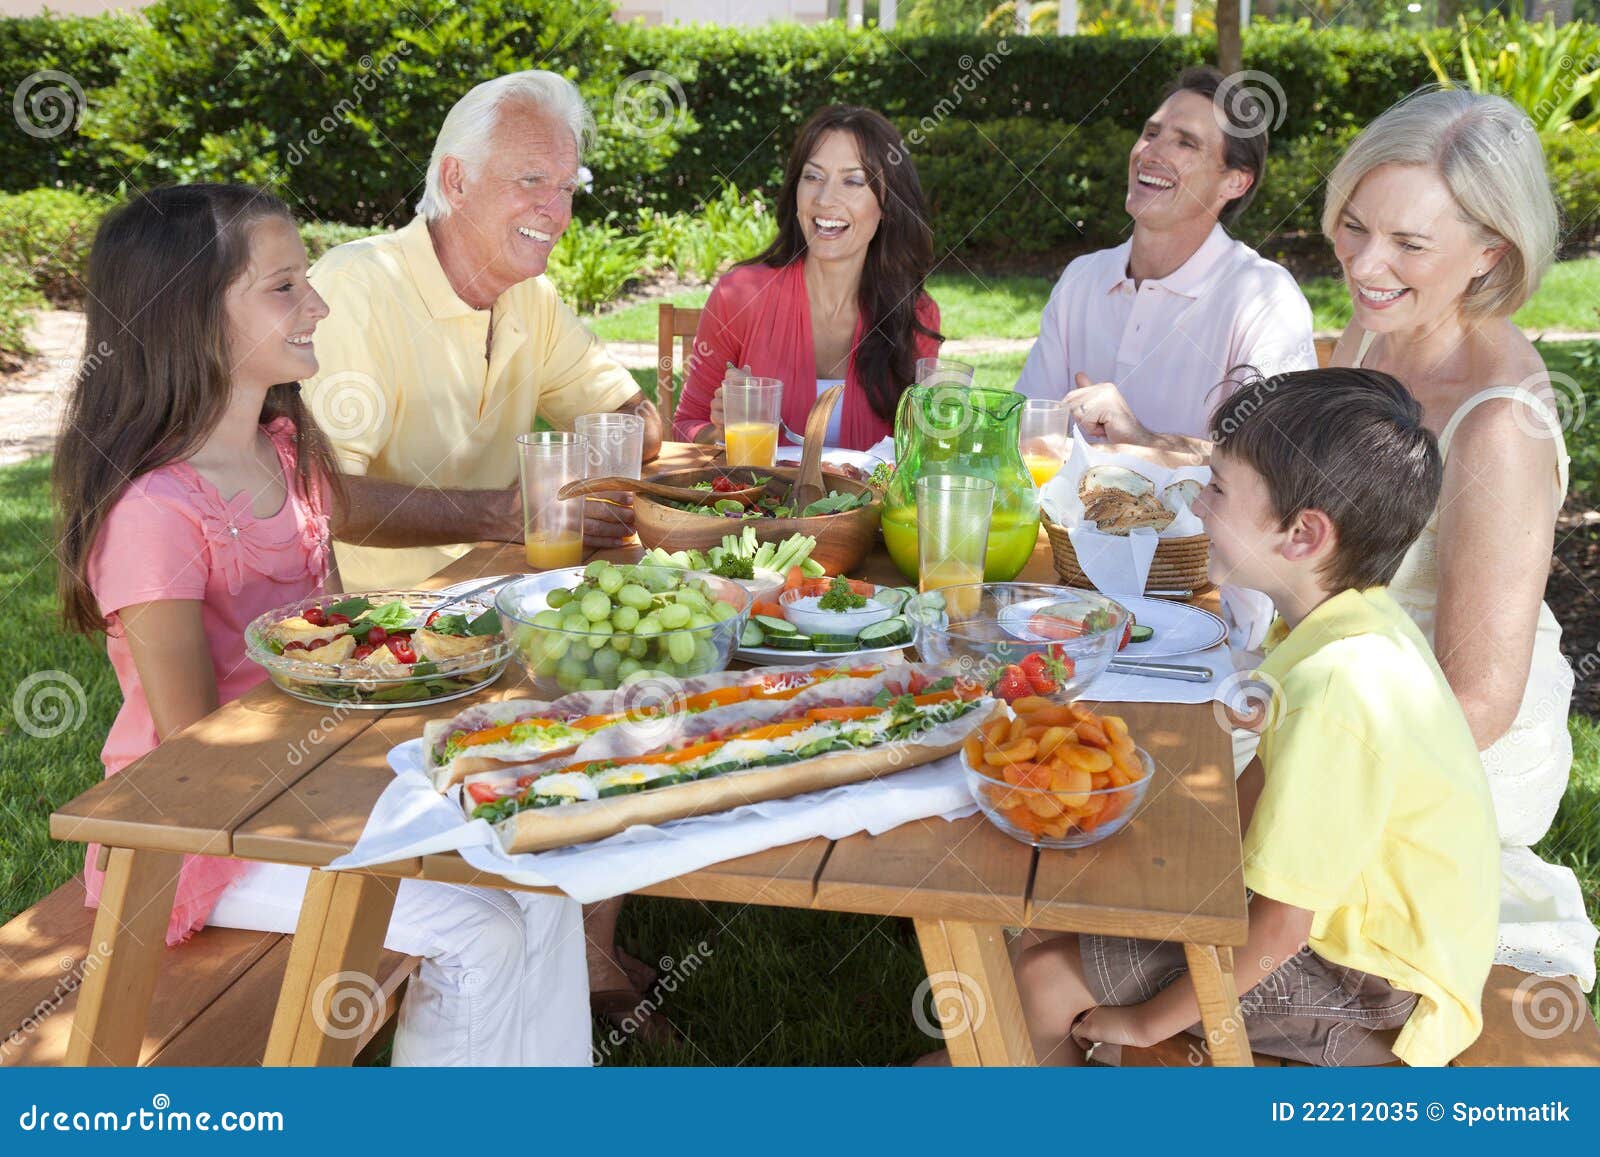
1548,71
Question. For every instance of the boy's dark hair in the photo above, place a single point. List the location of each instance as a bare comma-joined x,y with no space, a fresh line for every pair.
1347,442
1244,141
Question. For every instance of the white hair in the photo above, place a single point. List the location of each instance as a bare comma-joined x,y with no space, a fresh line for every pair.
469,124
1486,150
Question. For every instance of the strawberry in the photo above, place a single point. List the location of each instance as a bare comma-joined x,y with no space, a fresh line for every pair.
1127,632
1061,664
1013,684
400,647
1037,670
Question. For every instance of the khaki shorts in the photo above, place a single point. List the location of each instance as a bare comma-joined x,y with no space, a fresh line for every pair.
1306,1010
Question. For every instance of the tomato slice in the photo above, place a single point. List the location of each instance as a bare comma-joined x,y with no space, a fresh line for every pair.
482,793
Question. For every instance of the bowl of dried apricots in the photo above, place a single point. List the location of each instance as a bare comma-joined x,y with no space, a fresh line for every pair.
1056,775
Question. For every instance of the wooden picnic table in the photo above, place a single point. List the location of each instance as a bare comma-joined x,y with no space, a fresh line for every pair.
270,778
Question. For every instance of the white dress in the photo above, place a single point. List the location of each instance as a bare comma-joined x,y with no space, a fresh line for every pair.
1543,926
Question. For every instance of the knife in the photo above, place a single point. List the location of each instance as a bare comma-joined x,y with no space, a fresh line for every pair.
1161,670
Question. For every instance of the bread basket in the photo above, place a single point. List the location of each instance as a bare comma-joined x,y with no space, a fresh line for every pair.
1179,566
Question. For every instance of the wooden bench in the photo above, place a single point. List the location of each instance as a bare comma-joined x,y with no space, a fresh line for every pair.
213,1002
1533,1020
1527,1021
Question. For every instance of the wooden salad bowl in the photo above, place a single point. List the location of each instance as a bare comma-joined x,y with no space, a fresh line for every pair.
843,540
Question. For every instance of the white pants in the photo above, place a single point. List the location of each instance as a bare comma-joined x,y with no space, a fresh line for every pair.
502,982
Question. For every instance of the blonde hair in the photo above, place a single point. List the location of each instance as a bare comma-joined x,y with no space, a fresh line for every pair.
468,125
1487,152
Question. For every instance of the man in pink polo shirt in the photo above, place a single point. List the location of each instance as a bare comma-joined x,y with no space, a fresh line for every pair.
1138,338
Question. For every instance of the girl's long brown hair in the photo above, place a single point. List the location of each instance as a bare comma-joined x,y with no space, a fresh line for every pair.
899,256
156,374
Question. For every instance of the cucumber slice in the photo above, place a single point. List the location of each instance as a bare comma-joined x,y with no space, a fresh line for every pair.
1141,634
774,627
833,646
790,642
819,639
885,634
890,597
752,636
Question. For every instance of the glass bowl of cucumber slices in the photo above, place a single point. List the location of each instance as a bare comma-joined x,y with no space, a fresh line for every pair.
598,627
828,617
1024,639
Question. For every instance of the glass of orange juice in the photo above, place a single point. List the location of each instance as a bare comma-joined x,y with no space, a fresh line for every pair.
750,411
1046,437
552,528
953,537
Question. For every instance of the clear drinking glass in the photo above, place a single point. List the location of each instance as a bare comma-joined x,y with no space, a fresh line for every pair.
616,444
953,533
552,528
944,372
1046,438
750,413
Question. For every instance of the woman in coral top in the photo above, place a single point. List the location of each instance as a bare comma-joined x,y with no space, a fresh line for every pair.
837,297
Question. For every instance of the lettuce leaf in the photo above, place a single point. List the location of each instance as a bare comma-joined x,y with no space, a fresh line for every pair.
390,616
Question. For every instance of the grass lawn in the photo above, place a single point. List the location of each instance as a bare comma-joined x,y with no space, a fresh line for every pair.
973,306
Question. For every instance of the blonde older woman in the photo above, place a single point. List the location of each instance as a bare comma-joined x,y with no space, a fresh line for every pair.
1441,217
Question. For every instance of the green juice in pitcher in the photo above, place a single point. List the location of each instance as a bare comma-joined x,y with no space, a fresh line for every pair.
957,429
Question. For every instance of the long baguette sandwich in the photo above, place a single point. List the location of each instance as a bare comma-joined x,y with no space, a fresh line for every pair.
513,733
869,726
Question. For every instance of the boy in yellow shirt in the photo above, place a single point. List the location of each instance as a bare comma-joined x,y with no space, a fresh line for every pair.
1370,841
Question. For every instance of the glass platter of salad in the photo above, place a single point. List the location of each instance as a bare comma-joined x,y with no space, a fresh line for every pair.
380,649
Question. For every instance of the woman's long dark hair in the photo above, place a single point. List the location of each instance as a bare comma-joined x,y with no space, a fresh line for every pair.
898,257
156,374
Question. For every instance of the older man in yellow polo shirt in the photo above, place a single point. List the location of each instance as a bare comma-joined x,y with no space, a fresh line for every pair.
445,341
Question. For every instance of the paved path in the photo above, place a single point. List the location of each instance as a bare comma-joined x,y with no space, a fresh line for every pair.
30,400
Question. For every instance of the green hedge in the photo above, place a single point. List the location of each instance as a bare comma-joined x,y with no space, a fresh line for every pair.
336,102
749,90
1026,187
83,48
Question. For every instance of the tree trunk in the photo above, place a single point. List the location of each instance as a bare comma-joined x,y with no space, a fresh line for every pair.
1230,49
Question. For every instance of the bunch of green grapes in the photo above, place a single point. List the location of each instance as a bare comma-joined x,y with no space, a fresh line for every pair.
621,621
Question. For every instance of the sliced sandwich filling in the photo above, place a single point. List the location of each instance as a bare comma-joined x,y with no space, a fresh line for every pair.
514,740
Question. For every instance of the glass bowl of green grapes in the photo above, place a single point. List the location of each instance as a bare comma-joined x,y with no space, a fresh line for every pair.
597,627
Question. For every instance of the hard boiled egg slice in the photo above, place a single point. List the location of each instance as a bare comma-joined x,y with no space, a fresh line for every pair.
573,785
624,777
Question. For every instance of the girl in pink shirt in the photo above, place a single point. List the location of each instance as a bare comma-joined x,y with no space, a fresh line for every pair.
191,484
194,493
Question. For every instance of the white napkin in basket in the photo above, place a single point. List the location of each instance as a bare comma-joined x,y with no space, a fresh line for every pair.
1116,564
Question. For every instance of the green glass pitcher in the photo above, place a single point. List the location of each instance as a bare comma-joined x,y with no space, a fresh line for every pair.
956,429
